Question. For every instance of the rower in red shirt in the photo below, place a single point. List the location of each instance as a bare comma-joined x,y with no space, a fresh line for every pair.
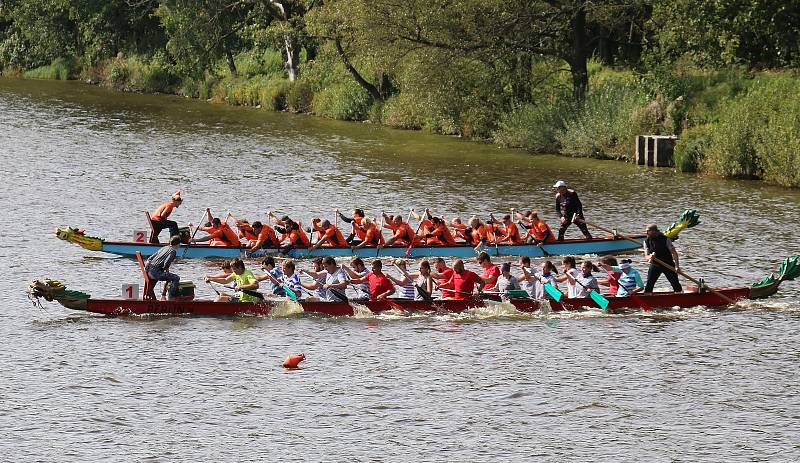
464,281
159,217
444,278
380,287
402,234
328,235
490,271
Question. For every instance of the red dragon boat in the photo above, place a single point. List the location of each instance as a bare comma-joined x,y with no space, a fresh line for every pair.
53,290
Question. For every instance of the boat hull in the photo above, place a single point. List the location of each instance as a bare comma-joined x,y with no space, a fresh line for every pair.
116,307
566,247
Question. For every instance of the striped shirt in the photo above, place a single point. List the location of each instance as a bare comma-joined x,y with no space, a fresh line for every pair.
407,291
422,282
541,279
527,285
293,282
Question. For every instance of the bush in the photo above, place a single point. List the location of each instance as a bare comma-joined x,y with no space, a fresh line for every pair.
59,69
691,148
534,126
603,127
300,97
345,101
253,63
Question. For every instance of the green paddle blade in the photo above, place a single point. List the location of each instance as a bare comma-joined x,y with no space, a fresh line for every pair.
599,299
290,293
553,292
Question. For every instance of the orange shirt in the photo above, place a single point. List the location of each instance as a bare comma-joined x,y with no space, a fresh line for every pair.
540,229
229,235
511,234
480,233
334,236
162,212
267,236
373,236
461,231
358,229
441,236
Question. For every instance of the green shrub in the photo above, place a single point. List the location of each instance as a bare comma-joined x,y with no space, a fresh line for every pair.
604,126
345,101
534,126
300,97
691,148
59,69
254,63
118,72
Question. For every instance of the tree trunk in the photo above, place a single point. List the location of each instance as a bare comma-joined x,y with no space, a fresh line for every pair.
579,55
292,56
521,78
230,61
371,89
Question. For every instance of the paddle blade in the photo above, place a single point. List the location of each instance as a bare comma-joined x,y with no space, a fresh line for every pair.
292,295
599,299
553,292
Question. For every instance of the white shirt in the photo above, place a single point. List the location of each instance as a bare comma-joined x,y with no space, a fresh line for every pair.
331,279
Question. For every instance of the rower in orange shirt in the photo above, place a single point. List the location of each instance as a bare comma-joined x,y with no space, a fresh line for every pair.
246,230
372,235
480,233
509,233
219,233
160,216
356,222
538,231
265,237
460,229
425,225
329,235
402,234
439,234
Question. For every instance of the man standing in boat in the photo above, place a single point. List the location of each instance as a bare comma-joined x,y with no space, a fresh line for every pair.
157,266
159,217
568,206
659,246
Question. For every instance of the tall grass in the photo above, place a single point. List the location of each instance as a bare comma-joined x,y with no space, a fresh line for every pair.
59,69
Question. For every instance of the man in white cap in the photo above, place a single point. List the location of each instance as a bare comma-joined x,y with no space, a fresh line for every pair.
567,206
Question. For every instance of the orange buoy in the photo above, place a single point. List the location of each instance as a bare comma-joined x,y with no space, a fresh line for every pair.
293,361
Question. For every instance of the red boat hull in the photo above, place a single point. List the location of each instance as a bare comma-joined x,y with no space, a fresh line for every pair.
210,308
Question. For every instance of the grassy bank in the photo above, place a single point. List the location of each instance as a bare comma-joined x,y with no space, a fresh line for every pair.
732,123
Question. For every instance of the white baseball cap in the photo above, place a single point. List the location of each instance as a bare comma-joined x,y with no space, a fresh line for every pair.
560,183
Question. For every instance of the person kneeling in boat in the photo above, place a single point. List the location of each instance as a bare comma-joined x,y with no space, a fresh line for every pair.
157,266
402,234
380,287
629,280
506,282
246,284
159,218
328,235
280,281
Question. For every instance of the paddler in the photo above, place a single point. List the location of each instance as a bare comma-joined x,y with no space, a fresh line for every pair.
509,233
265,237
157,265
438,233
425,224
273,275
659,246
443,276
568,205
372,235
328,235
538,230
357,236
506,281
402,234
463,281
629,279
318,274
331,281
459,228
159,218
380,286
245,282
490,271
295,237
357,271
219,233
479,233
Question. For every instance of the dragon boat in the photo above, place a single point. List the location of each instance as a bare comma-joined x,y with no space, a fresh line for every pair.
53,290
605,245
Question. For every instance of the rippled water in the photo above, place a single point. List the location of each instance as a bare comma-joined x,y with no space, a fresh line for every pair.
696,385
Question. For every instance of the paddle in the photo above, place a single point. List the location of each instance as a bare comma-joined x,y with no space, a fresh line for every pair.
380,233
598,298
411,238
554,292
207,211
249,292
660,262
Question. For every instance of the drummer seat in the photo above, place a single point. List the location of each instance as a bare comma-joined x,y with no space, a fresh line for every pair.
153,238
149,284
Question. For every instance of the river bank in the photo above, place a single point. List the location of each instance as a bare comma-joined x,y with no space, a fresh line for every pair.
731,124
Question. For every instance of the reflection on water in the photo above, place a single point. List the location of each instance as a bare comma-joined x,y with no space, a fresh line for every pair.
490,384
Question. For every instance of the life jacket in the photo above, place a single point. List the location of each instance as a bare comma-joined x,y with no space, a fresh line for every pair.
373,236
480,233
461,231
267,237
229,235
358,229
540,230
425,229
511,234
335,237
246,232
441,236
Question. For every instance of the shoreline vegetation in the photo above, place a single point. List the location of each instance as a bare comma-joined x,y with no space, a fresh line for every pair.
574,78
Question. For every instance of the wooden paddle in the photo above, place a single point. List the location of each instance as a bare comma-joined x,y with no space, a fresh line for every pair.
660,262
411,238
